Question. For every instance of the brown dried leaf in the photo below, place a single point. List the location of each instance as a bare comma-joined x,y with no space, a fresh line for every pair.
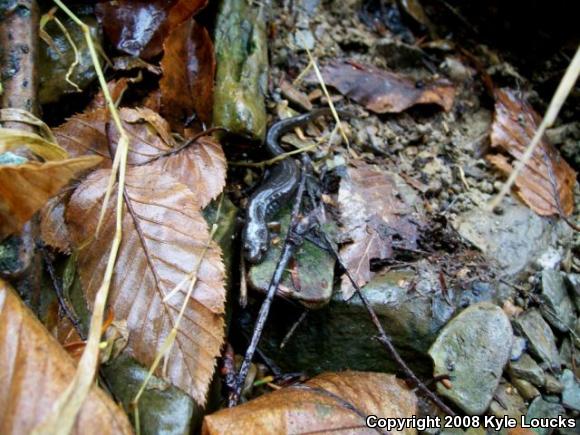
35,370
329,403
139,27
117,89
201,166
188,66
546,183
164,235
53,229
371,214
385,91
25,188
85,133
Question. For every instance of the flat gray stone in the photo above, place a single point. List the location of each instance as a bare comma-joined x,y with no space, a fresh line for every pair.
514,239
556,307
542,343
552,385
566,354
508,402
313,274
473,349
541,408
525,388
339,336
573,281
526,368
518,347
571,392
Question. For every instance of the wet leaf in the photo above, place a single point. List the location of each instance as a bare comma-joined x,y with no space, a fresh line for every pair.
34,370
372,215
53,229
139,27
12,139
129,63
329,403
164,235
385,91
85,133
546,183
201,166
188,66
25,188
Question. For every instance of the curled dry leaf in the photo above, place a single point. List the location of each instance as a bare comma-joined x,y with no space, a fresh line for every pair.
164,235
546,183
329,403
385,91
371,214
25,188
188,66
201,166
139,27
35,370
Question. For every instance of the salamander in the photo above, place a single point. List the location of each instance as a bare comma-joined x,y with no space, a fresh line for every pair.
275,190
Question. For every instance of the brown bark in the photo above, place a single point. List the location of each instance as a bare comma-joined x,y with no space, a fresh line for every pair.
19,42
19,23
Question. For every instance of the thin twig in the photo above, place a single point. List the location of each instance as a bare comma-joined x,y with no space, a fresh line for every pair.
274,160
290,333
57,285
384,338
295,232
185,145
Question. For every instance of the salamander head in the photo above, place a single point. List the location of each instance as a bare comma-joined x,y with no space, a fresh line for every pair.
255,242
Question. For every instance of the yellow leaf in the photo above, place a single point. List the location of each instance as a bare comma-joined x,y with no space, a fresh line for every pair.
11,139
24,189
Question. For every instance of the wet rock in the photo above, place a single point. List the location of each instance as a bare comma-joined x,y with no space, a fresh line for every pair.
526,368
567,353
56,59
473,349
571,391
557,306
541,408
507,402
573,281
513,239
225,233
162,407
552,385
570,430
309,282
398,54
518,347
542,343
525,388
242,69
339,335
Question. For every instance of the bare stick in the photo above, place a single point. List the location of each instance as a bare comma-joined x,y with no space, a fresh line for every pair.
296,230
385,339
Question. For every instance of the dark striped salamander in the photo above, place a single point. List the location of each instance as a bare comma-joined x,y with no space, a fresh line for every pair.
275,190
